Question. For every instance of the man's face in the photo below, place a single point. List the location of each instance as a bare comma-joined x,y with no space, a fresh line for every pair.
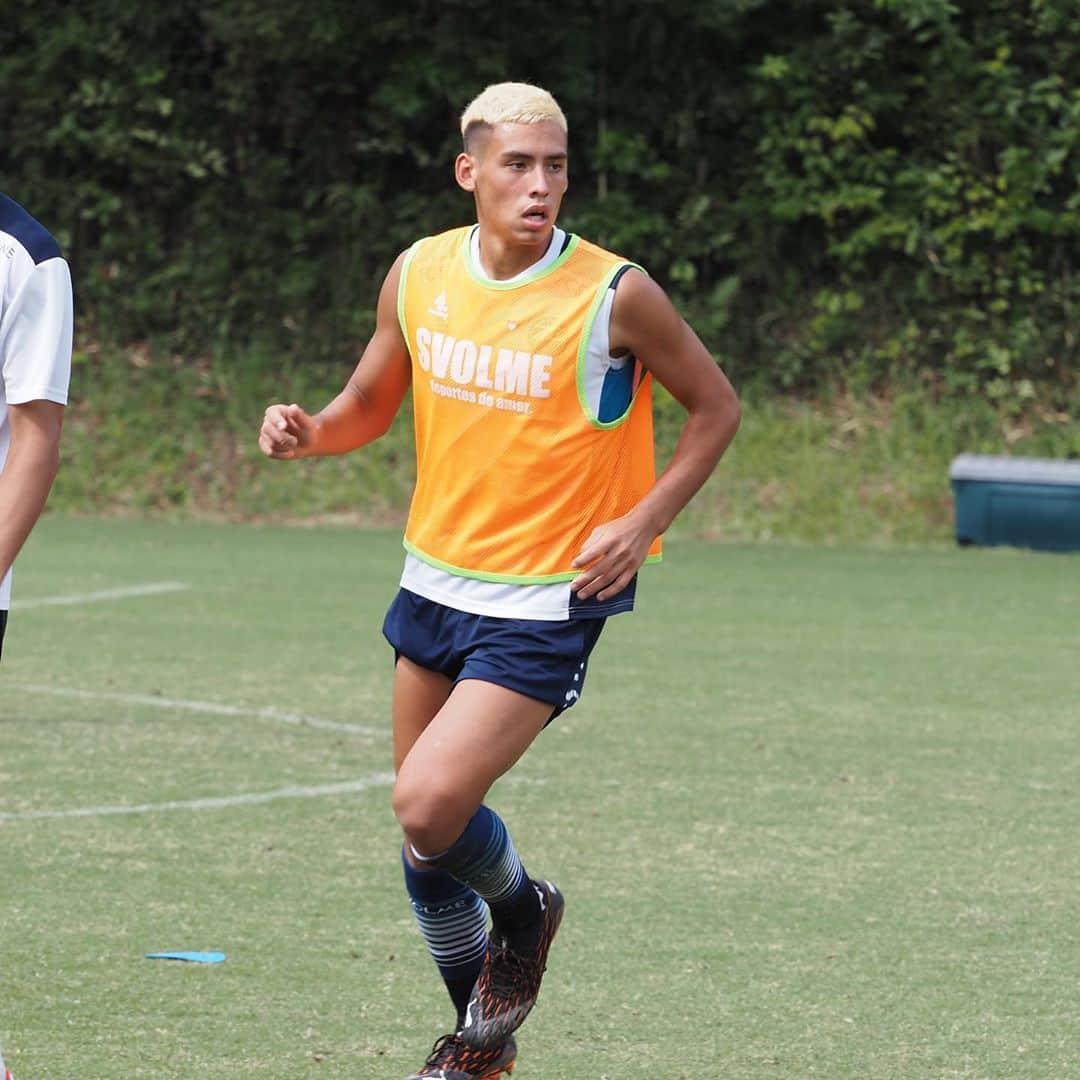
518,175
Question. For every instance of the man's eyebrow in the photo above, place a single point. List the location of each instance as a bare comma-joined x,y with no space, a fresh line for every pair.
560,156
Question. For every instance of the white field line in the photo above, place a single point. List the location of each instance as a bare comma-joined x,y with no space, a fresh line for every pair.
254,798
208,708
120,593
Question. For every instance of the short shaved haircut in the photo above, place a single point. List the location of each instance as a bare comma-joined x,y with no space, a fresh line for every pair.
508,103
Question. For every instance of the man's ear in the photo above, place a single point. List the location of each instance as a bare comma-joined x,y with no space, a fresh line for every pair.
465,171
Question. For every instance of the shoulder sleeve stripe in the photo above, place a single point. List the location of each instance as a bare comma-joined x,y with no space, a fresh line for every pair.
32,235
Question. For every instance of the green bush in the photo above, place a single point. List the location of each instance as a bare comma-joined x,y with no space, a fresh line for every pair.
853,190
922,154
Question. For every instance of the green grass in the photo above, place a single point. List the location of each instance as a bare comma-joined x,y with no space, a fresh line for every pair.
815,816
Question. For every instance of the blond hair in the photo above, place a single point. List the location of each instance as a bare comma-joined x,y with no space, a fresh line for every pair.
511,103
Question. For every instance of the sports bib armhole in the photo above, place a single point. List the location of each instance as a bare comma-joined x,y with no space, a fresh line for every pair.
607,386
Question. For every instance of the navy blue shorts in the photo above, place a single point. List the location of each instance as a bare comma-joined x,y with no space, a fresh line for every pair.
542,660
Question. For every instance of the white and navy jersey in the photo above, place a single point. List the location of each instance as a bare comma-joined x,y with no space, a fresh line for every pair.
608,380
35,323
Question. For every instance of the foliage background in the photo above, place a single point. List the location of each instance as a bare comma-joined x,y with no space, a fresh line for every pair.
822,185
873,198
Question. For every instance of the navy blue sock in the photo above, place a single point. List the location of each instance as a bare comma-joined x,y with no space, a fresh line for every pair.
483,858
453,922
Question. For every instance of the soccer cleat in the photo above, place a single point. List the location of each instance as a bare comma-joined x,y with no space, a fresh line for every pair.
509,981
451,1059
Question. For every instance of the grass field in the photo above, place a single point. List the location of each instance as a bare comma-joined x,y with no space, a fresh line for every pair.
815,816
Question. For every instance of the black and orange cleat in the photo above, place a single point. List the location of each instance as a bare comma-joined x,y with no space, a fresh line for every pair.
451,1059
509,981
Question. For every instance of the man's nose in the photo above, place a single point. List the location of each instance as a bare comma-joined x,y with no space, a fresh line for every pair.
539,178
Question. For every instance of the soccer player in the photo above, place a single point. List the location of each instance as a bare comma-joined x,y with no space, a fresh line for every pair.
530,353
35,366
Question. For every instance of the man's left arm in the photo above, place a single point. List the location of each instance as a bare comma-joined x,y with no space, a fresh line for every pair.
644,323
32,461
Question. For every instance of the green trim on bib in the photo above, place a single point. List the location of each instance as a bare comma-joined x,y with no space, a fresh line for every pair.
505,286
480,575
401,292
501,579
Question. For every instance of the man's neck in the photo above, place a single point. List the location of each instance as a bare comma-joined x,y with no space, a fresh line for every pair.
501,261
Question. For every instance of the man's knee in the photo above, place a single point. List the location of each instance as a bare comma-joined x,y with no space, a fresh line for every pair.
431,816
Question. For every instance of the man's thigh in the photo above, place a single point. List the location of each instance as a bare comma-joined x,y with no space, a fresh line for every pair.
419,694
478,734
472,692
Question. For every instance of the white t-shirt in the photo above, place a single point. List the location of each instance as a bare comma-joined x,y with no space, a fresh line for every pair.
553,602
35,323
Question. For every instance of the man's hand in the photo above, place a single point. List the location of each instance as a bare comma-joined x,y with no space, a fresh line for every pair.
286,433
612,555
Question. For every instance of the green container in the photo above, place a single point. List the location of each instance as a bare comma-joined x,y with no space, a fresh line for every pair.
1025,502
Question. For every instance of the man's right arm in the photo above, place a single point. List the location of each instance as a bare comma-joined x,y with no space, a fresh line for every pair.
35,368
28,473
366,406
